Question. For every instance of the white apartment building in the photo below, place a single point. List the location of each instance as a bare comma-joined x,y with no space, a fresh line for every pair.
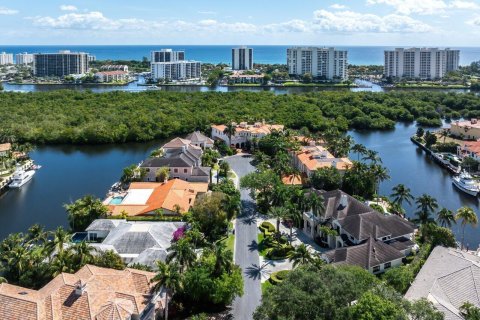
242,58
178,70
423,63
167,64
6,58
23,58
167,55
327,63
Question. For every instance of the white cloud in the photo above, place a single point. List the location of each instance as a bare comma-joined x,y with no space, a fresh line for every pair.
66,7
349,21
89,21
413,6
338,6
474,22
425,7
467,5
7,11
324,21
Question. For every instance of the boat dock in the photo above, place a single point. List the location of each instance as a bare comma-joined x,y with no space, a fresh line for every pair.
7,179
439,158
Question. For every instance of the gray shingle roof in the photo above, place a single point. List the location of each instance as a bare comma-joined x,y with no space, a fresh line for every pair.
360,220
198,137
449,278
103,224
201,171
367,255
175,158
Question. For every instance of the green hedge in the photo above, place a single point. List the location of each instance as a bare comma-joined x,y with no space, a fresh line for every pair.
278,277
279,254
267,228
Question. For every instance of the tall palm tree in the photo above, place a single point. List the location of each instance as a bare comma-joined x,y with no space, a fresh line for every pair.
183,253
223,258
62,263
400,194
359,149
444,134
230,130
372,156
316,202
60,238
168,277
83,253
468,216
300,256
278,213
380,174
426,205
445,218
36,234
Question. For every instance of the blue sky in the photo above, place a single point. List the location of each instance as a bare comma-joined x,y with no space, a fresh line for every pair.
325,22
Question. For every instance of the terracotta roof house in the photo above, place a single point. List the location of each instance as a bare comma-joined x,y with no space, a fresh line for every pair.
357,224
144,198
5,148
244,132
469,149
136,242
183,158
312,157
92,293
449,278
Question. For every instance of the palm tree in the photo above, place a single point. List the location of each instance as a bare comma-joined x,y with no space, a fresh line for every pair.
426,204
316,202
380,174
83,253
224,169
62,263
278,213
230,130
183,253
36,233
300,255
372,156
359,149
445,218
468,216
167,277
443,134
60,238
162,174
401,193
223,258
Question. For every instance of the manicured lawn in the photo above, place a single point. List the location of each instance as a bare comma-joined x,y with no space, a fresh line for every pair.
262,249
266,286
230,242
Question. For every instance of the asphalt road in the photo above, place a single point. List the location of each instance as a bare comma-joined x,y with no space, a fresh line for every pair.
246,253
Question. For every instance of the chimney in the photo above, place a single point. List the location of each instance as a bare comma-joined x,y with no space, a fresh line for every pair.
344,201
334,163
80,288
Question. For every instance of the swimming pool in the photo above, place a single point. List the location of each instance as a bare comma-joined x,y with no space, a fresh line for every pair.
116,200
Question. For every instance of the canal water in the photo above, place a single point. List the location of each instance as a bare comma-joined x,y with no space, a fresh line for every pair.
70,172
134,87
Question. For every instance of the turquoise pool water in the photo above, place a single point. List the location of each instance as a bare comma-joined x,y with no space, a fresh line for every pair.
116,200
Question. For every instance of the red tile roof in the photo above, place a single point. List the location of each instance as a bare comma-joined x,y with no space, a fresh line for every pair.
108,294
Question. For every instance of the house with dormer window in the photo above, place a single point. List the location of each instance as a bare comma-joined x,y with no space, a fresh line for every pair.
362,235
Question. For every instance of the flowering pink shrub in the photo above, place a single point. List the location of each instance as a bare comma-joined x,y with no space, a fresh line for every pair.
179,233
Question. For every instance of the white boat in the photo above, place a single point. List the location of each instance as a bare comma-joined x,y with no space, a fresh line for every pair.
153,87
20,177
465,183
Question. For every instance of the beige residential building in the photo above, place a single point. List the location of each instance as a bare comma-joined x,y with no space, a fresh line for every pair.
312,157
466,129
244,132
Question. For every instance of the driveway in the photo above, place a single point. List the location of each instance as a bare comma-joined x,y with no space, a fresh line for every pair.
246,253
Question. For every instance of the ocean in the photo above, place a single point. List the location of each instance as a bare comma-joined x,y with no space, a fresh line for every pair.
358,55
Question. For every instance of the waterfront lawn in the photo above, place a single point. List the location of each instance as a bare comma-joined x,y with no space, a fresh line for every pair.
149,218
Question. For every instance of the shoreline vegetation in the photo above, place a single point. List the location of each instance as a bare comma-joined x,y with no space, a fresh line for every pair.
74,117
